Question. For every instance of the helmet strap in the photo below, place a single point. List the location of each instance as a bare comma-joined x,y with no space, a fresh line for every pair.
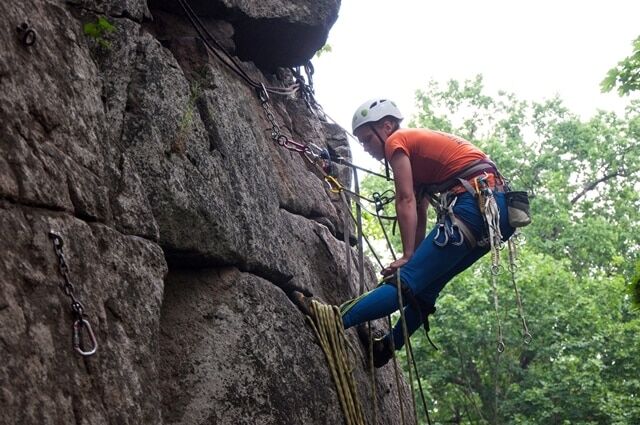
384,153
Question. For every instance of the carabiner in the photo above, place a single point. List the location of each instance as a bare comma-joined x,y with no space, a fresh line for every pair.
78,345
527,338
334,185
456,241
442,229
262,93
326,164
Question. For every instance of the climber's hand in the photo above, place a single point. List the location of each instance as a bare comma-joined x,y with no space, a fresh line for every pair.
391,268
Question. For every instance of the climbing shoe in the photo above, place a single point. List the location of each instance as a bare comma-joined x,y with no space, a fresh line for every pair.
302,302
382,350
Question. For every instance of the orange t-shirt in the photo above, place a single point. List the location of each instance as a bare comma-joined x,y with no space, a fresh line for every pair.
435,156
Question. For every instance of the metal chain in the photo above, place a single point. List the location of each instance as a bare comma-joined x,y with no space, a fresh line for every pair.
80,323
526,335
494,286
307,90
277,135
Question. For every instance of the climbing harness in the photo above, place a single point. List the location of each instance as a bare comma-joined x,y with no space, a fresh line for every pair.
80,324
326,323
26,34
475,180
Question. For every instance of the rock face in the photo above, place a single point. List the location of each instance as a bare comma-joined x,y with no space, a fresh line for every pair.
184,225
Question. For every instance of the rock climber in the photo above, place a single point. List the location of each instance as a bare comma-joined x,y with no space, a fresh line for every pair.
428,167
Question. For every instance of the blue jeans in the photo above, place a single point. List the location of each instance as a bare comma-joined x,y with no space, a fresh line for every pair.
428,271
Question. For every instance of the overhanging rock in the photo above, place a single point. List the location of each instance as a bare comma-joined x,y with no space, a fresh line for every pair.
270,33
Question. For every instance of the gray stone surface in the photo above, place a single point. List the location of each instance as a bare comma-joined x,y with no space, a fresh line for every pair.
119,280
185,226
234,351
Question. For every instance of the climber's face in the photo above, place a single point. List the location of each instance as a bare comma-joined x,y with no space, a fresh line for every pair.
371,137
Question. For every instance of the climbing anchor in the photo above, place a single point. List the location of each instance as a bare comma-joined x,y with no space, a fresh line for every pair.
26,34
81,325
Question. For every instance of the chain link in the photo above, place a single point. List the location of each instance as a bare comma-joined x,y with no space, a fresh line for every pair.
80,323
276,135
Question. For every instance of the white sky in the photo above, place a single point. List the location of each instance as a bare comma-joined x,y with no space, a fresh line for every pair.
535,49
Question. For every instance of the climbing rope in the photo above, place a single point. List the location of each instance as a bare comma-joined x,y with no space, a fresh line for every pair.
396,370
335,186
407,346
342,161
384,232
346,234
326,323
80,323
358,222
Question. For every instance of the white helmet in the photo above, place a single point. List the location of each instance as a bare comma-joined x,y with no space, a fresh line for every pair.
374,110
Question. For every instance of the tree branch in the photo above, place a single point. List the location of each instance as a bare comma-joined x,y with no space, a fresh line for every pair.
589,187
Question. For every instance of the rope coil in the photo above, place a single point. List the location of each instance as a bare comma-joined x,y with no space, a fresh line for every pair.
327,326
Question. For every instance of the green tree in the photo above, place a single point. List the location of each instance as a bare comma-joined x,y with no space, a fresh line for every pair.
626,75
581,249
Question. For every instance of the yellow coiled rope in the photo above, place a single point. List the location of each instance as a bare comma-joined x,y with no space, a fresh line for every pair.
327,325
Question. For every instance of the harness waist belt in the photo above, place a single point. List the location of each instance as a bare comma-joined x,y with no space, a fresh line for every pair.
476,168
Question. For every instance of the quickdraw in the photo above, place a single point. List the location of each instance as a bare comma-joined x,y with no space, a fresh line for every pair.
80,324
491,213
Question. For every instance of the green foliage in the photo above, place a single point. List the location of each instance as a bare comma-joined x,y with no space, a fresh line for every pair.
324,49
626,75
98,30
581,249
